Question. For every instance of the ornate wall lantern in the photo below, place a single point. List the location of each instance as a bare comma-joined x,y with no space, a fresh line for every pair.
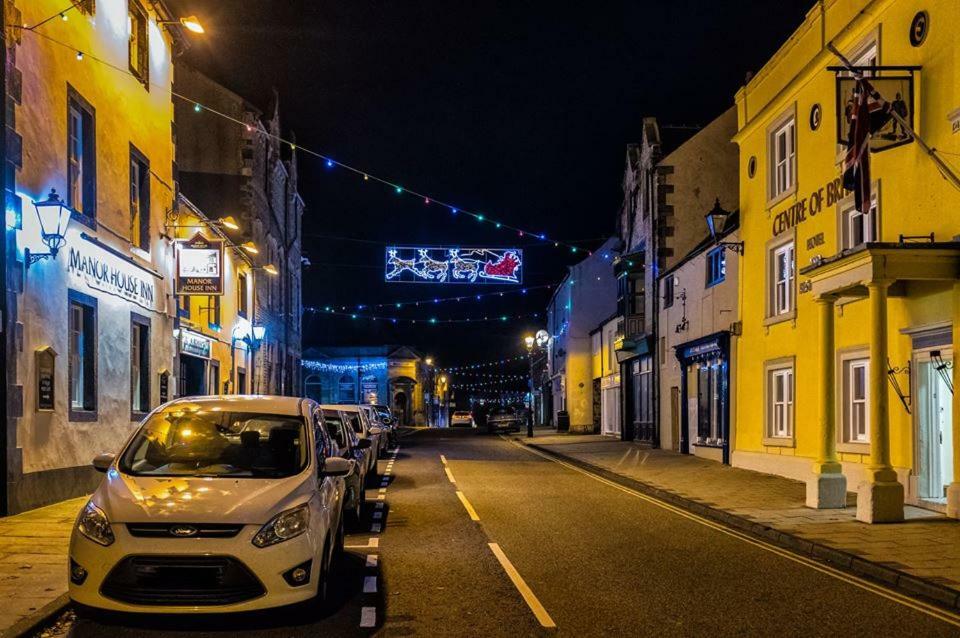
54,215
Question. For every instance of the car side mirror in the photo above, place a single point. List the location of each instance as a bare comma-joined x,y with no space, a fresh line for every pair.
376,429
102,462
364,444
336,466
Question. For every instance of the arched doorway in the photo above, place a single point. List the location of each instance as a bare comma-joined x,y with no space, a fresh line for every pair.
313,388
401,408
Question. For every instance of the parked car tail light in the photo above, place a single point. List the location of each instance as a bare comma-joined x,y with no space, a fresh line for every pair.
283,527
93,524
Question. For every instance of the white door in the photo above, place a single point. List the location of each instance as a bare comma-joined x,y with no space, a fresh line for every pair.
935,431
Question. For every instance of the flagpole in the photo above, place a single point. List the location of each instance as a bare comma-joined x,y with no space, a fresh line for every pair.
945,170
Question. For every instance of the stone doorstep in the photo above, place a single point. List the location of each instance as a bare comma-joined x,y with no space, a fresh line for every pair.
910,584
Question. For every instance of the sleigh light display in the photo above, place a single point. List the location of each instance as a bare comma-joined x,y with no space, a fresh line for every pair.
454,265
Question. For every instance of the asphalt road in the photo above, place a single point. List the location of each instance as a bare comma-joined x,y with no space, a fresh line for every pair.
550,546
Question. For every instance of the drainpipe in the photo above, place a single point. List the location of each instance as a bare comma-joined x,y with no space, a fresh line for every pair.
4,293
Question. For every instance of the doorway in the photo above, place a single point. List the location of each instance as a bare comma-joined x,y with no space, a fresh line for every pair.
934,425
193,376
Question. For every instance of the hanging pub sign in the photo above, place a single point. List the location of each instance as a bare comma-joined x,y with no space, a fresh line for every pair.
894,84
46,358
454,265
200,266
195,344
164,386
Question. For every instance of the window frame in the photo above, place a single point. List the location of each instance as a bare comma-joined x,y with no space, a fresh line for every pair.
140,224
773,369
848,360
139,323
788,119
138,20
846,211
716,266
242,294
669,291
774,247
86,214
89,371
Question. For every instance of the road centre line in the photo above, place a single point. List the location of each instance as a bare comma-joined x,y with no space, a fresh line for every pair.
372,560
370,585
466,504
373,542
918,605
368,617
449,474
528,596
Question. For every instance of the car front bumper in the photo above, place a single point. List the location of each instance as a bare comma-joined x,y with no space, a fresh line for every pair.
260,571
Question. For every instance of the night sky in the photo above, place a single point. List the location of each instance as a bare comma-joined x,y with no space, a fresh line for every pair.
519,110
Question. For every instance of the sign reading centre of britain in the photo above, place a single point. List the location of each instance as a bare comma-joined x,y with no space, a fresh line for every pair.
200,267
454,265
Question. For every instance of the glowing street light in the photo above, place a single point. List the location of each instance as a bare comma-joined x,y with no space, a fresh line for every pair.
54,216
229,222
191,23
250,247
270,269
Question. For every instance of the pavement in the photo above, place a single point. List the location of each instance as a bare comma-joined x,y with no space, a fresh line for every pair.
479,535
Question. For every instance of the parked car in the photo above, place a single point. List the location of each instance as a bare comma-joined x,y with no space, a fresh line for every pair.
215,504
462,418
386,416
504,418
375,421
357,420
347,445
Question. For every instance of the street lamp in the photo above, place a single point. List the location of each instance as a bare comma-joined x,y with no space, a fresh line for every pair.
250,247
54,216
252,335
191,23
529,342
429,361
717,221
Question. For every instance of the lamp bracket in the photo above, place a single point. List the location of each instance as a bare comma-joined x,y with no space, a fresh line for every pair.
735,246
30,257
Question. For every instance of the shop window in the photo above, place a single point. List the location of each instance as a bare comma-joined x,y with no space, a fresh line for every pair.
242,293
711,391
857,228
81,158
82,356
139,200
668,290
716,266
856,400
139,56
779,392
781,278
782,153
139,364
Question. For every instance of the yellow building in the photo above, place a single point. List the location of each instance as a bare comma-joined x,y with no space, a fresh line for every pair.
845,363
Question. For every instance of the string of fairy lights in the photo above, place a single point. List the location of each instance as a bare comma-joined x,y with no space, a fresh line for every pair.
439,300
485,364
328,160
485,375
331,311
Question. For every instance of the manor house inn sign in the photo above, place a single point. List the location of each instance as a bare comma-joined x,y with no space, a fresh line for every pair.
793,215
104,272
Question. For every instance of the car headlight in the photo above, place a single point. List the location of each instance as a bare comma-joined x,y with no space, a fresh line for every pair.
93,524
283,526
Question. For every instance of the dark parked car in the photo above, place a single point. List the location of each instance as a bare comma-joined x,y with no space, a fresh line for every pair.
505,418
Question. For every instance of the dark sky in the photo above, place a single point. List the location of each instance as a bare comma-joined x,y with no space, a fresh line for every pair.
521,110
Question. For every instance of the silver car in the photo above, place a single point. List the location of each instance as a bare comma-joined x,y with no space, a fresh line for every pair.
357,420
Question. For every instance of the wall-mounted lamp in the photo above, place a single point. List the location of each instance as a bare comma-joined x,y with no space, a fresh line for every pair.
54,217
717,221
250,247
270,269
191,23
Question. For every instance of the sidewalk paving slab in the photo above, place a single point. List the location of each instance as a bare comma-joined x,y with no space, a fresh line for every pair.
920,555
33,564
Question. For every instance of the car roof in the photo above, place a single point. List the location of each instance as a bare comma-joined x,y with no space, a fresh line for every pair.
341,406
264,404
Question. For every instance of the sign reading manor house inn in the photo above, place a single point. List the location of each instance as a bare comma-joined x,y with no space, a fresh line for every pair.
111,275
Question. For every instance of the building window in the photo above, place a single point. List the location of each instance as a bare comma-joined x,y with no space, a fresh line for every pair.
85,6
856,399
139,57
183,306
668,283
781,279
780,402
139,364
716,266
81,157
214,386
213,311
242,302
347,389
857,228
139,200
782,151
241,381
82,356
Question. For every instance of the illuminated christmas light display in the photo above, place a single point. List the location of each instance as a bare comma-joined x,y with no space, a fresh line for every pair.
321,366
486,364
454,265
329,310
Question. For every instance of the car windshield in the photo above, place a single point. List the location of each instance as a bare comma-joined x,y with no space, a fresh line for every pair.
502,412
461,414
190,440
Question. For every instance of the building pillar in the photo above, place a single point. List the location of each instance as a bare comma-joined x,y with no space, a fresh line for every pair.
880,495
953,490
827,488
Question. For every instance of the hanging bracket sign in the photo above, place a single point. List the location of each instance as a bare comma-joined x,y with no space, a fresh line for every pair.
200,266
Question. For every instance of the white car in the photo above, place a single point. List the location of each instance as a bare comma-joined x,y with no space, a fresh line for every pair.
357,419
375,420
462,418
216,504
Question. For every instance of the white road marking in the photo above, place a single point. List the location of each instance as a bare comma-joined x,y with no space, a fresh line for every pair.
370,585
449,474
373,542
375,528
466,504
382,490
380,497
379,506
372,560
528,596
368,617
930,610
443,459
377,515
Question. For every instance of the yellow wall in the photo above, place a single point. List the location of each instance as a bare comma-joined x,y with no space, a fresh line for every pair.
916,205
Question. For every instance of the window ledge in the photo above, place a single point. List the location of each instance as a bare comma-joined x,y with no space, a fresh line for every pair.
790,192
853,448
775,319
771,441
136,417
82,416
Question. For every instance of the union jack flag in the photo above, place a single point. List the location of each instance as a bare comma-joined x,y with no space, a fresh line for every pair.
868,112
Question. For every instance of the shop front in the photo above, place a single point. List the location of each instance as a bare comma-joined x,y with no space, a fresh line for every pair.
705,397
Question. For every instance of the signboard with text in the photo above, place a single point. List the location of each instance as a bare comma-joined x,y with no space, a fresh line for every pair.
200,267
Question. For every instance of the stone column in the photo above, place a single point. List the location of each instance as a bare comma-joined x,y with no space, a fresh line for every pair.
880,495
827,488
953,490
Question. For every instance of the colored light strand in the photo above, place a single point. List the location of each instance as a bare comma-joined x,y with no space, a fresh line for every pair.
485,364
328,160
330,311
439,300
489,375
